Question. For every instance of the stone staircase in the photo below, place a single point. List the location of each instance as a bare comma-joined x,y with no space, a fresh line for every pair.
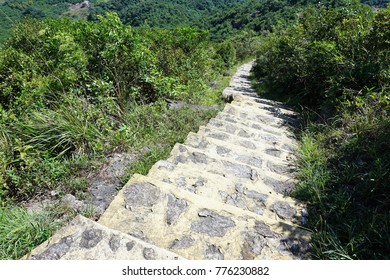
220,195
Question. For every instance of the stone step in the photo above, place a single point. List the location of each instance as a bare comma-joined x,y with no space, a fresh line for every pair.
235,165
255,196
253,141
264,114
269,184
230,92
197,227
257,101
84,239
245,128
261,158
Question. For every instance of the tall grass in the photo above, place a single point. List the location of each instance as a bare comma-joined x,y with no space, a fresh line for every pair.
67,128
344,177
22,230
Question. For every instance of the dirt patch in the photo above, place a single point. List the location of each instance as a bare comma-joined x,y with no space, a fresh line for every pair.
103,185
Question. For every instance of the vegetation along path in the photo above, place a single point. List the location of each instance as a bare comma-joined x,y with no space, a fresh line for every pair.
220,195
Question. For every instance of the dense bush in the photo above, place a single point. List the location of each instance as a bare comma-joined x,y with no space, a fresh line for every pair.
71,88
326,54
335,63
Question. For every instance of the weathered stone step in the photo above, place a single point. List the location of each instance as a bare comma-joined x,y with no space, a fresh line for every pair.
240,80
276,106
261,158
240,87
84,239
255,196
243,174
229,93
240,166
196,227
256,140
261,116
245,128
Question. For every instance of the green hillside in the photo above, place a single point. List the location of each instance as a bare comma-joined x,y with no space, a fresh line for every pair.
222,17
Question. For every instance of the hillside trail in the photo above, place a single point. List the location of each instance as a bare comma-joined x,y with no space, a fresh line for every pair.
220,195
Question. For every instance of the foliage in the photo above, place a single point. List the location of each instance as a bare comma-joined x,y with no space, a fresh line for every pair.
322,56
21,231
344,175
334,63
70,89
227,52
165,14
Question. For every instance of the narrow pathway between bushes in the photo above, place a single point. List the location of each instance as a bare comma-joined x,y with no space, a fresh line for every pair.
220,195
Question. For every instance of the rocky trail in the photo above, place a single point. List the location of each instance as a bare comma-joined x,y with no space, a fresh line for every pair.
220,195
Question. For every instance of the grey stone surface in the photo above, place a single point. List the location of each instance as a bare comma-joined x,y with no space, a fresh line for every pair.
253,245
183,243
180,159
56,251
298,247
200,182
248,144
182,149
239,170
233,199
219,136
142,194
90,238
71,201
289,148
273,152
264,230
214,253
130,245
181,182
256,195
105,184
284,210
243,133
283,187
164,164
149,254
202,145
253,161
114,243
212,224
258,210
197,157
280,169
175,208
222,150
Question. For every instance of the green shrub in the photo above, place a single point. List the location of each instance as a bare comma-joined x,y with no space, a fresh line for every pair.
21,231
319,58
227,52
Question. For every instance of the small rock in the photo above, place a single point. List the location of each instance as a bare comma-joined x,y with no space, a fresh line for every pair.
214,253
149,254
54,193
284,210
212,224
214,84
183,243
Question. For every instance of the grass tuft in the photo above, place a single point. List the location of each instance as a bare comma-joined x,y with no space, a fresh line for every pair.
22,230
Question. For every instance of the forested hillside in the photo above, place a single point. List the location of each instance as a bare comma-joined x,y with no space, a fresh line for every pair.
166,13
223,17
